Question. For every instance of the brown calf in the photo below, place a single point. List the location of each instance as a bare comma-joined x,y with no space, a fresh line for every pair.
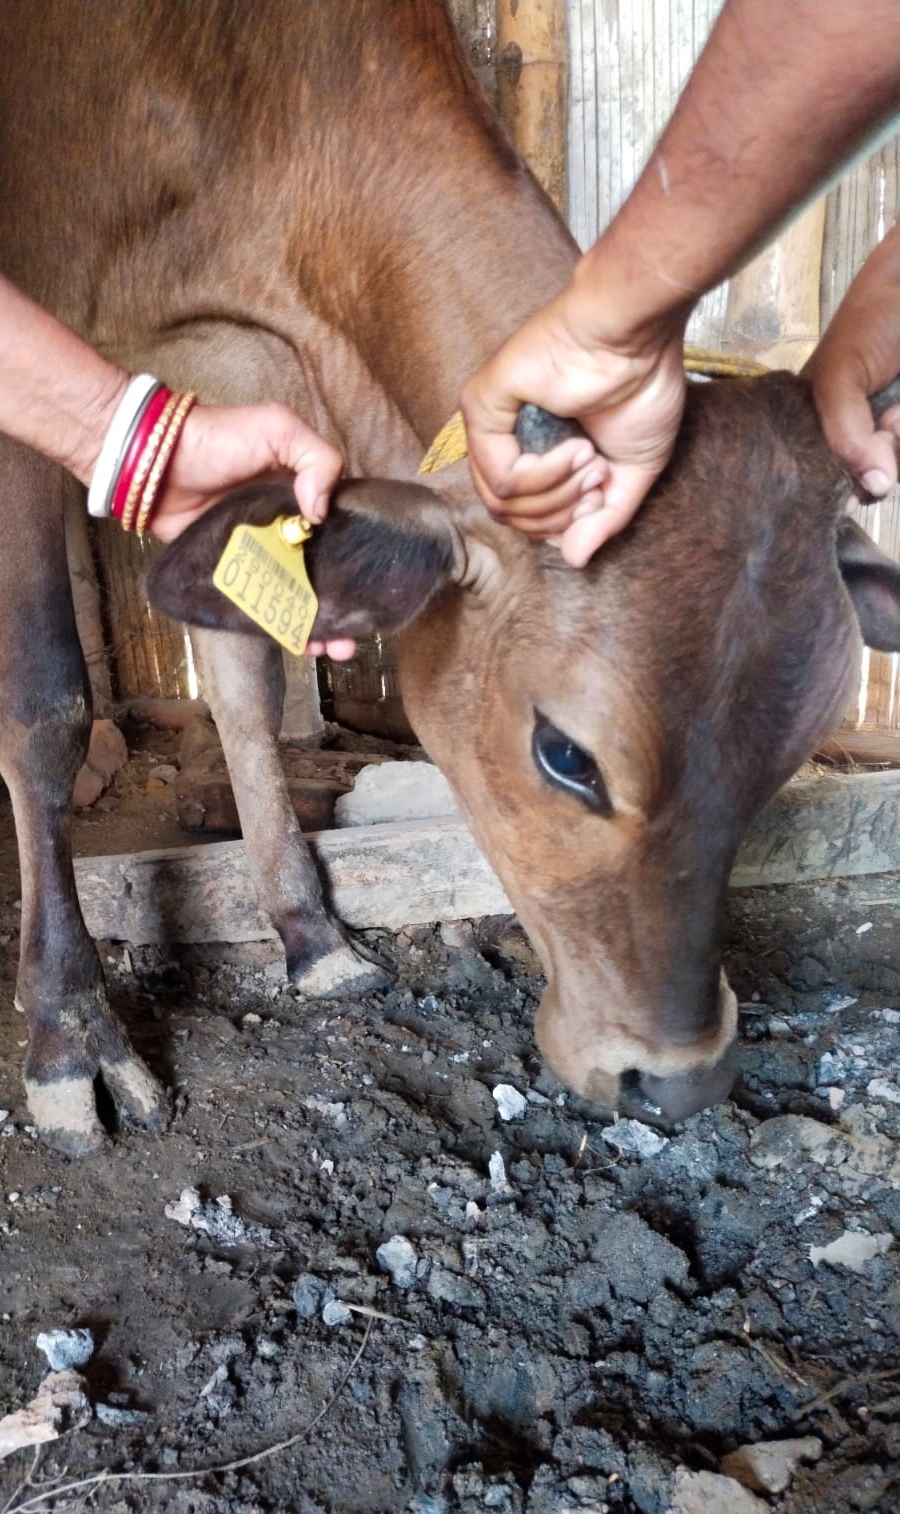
310,202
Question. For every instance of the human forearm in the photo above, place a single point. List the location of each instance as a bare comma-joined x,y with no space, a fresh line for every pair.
57,394
781,97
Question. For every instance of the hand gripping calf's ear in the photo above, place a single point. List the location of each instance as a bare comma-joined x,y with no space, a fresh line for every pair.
374,563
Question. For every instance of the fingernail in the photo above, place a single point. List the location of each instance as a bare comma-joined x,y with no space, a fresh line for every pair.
582,456
587,507
592,480
876,482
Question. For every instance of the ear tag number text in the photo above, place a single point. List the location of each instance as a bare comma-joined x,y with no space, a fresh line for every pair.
262,571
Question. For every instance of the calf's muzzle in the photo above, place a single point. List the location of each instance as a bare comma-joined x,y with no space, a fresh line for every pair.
625,1074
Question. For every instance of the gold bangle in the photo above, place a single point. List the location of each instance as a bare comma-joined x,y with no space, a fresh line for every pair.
147,458
163,457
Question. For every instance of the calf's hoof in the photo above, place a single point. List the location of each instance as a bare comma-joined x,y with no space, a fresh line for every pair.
321,962
343,970
64,1109
65,1063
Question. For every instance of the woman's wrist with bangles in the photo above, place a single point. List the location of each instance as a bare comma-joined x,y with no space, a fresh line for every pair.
128,477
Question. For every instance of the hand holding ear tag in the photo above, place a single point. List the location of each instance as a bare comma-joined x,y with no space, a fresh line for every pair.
263,572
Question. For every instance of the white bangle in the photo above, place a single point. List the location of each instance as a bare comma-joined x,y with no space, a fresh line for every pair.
106,472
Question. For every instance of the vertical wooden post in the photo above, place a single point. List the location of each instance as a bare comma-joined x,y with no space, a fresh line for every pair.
532,77
86,595
772,312
301,719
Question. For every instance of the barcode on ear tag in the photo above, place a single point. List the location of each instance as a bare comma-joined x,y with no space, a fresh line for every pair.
265,576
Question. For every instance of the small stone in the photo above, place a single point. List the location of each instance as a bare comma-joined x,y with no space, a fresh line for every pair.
708,1493
769,1466
457,933
88,787
788,1140
336,1313
165,772
109,1414
634,1138
391,791
65,1349
184,1208
307,1295
60,1405
511,1105
852,1250
450,1288
332,1109
398,1257
107,751
497,1173
881,1088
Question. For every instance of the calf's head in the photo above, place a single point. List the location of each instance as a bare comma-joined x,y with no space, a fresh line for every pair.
610,732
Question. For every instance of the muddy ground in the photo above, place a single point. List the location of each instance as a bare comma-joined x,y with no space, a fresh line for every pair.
579,1326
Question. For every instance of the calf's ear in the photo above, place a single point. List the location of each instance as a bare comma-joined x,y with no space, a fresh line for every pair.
873,583
383,551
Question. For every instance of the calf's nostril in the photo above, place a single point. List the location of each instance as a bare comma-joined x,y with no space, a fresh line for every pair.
634,1102
661,1100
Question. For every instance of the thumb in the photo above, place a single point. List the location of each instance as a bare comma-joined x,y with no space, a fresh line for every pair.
317,467
851,433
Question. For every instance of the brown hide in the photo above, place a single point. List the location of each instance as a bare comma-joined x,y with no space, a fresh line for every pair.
310,202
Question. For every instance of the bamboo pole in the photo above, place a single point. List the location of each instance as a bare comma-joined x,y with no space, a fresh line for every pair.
86,595
532,78
772,312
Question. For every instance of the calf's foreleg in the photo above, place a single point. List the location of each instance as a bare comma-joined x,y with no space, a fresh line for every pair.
243,681
73,1037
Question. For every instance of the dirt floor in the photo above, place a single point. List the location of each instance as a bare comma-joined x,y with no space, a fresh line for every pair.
568,1315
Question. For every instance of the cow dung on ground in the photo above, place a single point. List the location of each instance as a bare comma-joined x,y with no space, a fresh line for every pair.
584,1320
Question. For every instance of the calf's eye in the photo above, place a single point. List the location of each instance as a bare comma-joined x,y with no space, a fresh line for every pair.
568,766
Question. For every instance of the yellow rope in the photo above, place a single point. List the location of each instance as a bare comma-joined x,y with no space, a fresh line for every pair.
721,364
449,446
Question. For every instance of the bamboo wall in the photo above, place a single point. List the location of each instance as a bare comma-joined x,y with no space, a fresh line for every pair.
628,60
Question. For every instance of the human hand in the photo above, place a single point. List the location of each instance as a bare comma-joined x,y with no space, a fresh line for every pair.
222,447
627,394
858,355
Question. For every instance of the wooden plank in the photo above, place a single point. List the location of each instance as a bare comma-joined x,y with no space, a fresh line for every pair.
828,825
206,803
864,747
385,875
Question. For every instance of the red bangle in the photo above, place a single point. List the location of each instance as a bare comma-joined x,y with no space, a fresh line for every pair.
138,442
161,463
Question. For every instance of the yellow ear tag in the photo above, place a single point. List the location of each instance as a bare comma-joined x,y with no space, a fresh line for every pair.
262,572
